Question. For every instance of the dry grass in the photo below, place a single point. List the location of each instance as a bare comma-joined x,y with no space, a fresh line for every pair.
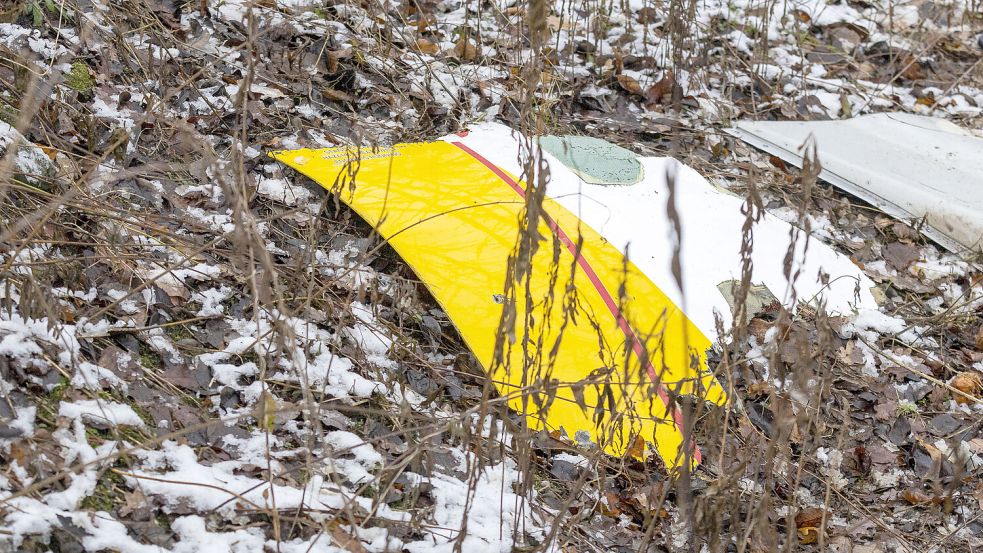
766,453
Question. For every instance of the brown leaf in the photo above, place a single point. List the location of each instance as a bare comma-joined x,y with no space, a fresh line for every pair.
979,339
335,57
954,48
759,389
182,376
758,328
967,382
778,163
135,506
862,460
918,497
425,21
466,50
630,85
881,457
904,232
912,69
336,95
851,355
426,46
174,288
651,498
610,504
637,448
345,540
901,256
809,516
661,92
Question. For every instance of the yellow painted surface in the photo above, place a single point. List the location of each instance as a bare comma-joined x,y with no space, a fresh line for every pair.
456,223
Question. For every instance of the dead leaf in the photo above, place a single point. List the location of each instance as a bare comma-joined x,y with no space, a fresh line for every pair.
185,377
851,355
886,410
808,522
425,21
979,339
466,50
662,91
336,95
758,389
345,540
967,382
169,284
135,503
954,48
912,69
49,151
335,57
901,256
918,497
630,85
809,516
609,504
778,163
266,411
758,328
637,448
904,232
651,498
427,47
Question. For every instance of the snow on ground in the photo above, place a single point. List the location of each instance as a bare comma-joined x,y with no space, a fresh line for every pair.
217,352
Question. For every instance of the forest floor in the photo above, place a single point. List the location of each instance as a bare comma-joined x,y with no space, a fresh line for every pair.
202,350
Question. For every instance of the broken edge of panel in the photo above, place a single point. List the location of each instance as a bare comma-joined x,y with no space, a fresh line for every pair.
913,167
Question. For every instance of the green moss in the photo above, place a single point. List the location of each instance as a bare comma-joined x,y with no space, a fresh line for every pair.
9,114
178,332
58,392
79,79
164,522
107,495
149,358
370,492
907,409
48,404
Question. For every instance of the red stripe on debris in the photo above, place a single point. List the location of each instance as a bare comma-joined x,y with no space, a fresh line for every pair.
598,286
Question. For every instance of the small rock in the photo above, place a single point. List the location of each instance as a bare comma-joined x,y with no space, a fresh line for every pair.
585,47
945,424
844,38
899,431
564,470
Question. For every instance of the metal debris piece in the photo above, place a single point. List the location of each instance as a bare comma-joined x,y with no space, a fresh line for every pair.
912,166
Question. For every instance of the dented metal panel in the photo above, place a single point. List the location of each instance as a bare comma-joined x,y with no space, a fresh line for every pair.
605,335
913,167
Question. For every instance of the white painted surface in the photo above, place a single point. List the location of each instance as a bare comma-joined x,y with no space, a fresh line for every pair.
911,166
634,218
